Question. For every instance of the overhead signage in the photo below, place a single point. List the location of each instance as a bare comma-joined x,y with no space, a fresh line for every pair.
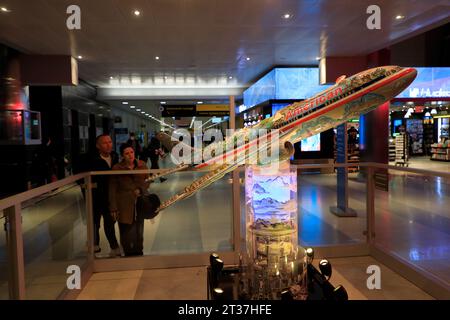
206,110
178,111
213,110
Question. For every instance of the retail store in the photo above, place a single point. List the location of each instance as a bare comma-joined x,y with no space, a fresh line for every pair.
225,150
422,114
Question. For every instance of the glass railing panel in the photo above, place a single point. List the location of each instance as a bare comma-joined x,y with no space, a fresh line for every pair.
319,195
201,223
412,220
54,234
4,271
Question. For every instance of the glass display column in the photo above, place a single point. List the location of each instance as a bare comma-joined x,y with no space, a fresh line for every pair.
275,261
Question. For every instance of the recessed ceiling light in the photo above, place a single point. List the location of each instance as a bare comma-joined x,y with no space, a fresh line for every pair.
137,13
132,107
287,16
5,9
163,102
317,58
100,115
124,102
156,58
248,58
399,17
199,102
80,57
142,111
111,78
230,77
138,109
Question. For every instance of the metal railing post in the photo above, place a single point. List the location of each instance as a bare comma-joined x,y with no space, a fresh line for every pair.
90,217
370,205
14,245
236,214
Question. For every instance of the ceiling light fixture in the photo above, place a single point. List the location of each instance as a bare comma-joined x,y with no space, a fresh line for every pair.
163,102
317,58
142,112
199,102
248,58
156,58
5,9
399,17
111,78
132,107
124,102
230,77
138,110
80,57
287,16
137,13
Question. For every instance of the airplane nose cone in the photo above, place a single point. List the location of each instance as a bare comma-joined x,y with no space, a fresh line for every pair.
410,75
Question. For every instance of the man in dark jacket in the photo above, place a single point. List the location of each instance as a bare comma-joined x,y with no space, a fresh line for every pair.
153,152
103,160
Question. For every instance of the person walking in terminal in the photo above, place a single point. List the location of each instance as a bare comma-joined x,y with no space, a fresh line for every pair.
123,193
103,160
134,142
154,151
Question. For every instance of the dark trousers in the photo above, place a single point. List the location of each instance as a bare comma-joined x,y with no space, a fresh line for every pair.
108,225
155,165
132,238
154,162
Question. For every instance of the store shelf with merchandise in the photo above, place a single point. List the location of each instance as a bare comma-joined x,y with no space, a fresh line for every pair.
391,150
353,157
440,151
401,150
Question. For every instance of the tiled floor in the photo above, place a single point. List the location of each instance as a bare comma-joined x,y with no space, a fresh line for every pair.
190,283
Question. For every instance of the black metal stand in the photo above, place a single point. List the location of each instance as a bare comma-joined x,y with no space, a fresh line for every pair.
223,283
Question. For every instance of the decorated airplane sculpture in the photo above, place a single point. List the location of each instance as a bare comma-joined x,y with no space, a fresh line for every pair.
347,99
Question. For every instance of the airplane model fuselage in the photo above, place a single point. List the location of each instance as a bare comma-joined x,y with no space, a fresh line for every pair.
347,99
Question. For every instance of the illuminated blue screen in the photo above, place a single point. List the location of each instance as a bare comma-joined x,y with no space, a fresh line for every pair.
397,122
297,83
429,83
278,106
262,90
284,83
311,144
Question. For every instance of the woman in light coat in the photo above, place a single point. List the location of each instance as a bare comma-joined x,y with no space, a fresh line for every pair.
123,192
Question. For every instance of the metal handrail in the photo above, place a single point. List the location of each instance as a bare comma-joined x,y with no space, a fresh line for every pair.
412,170
24,196
27,195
